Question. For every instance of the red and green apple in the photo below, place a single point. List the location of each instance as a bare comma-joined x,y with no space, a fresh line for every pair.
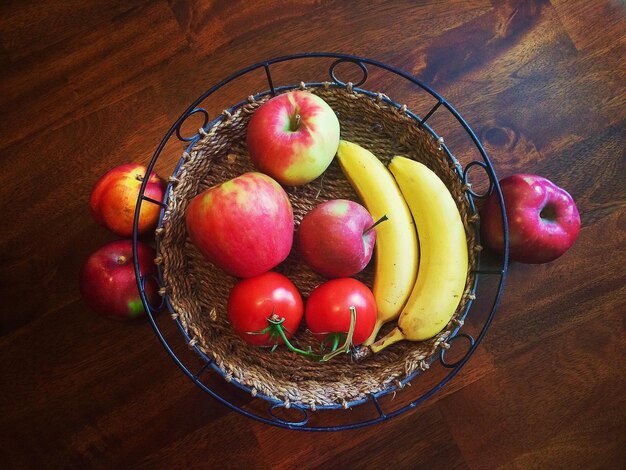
293,137
336,238
107,280
244,225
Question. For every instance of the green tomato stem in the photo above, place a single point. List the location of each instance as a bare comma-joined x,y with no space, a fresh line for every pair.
280,330
347,345
276,331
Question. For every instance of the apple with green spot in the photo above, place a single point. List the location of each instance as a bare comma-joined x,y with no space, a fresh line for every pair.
337,237
107,280
293,137
243,225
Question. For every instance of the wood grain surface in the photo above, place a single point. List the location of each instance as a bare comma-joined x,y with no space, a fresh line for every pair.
87,85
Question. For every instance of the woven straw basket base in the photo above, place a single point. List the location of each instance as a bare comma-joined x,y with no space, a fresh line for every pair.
199,291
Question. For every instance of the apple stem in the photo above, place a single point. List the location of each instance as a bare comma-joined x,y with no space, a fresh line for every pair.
139,177
379,221
294,124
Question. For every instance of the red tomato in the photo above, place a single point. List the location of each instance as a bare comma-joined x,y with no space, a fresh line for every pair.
253,301
328,309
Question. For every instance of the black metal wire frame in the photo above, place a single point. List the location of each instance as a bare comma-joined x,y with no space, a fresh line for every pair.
273,404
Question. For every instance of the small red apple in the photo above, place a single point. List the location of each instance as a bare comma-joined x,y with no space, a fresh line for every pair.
114,198
107,280
542,217
336,238
244,225
293,137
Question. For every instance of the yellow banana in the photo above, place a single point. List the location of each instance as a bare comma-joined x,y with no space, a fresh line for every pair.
443,264
396,248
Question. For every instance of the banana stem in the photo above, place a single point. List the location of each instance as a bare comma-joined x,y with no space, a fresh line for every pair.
390,338
372,338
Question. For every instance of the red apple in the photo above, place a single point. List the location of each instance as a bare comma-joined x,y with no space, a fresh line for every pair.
335,238
293,137
244,225
114,198
107,280
543,219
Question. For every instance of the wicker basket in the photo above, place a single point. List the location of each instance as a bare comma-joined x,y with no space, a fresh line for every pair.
198,291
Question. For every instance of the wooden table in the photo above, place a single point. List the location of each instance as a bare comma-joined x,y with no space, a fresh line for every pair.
88,85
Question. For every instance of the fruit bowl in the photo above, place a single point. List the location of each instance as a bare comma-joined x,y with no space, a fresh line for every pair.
194,292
